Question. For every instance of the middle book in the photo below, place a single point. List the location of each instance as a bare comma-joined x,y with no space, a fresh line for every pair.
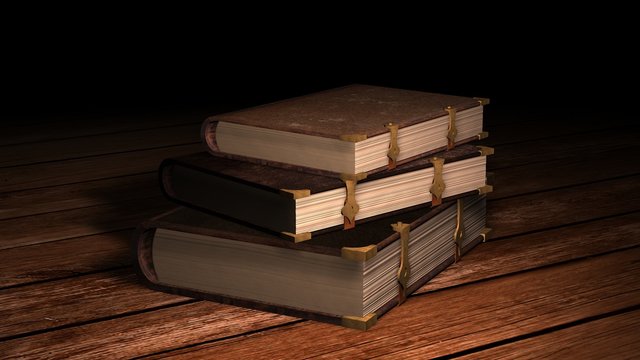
299,205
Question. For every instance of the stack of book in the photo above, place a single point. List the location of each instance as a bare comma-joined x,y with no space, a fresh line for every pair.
333,206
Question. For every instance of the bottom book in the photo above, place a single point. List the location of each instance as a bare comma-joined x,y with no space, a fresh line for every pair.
350,278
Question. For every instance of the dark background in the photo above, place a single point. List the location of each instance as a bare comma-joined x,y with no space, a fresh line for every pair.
87,69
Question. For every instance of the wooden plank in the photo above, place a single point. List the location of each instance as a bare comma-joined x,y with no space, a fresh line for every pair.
79,222
78,195
56,173
144,333
510,132
61,149
544,248
615,337
87,125
580,145
457,319
76,300
538,211
51,260
565,172
86,169
508,217
502,257
508,182
487,261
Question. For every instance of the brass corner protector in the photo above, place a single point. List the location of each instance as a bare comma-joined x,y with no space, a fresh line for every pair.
485,189
360,322
297,193
483,135
353,137
483,101
485,150
485,233
297,237
359,254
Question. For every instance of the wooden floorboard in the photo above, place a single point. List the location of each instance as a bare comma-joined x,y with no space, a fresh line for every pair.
52,260
79,195
558,277
565,172
544,248
548,209
87,169
579,289
509,217
490,260
92,220
460,318
533,129
69,127
52,150
567,146
75,300
615,337
141,334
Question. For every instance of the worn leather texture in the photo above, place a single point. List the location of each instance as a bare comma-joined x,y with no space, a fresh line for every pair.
349,110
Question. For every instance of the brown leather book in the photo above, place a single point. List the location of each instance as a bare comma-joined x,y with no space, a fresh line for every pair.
298,205
349,130
349,278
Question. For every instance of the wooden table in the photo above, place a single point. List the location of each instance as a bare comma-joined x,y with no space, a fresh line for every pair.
560,276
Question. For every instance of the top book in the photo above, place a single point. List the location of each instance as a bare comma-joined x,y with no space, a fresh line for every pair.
349,130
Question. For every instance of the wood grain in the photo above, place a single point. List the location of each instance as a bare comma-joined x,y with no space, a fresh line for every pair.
615,337
78,195
555,148
457,319
62,149
544,248
65,258
511,132
87,125
502,216
564,209
86,169
141,334
487,261
547,209
565,172
79,222
79,299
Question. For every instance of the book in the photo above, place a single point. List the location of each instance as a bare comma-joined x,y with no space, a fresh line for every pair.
299,205
350,278
349,130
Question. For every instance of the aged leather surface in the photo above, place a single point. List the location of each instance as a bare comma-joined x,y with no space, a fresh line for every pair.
349,110
274,178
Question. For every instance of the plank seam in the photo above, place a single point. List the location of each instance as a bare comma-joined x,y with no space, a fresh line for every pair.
98,155
96,320
540,332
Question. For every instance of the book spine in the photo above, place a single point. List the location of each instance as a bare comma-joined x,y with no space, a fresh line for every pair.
208,134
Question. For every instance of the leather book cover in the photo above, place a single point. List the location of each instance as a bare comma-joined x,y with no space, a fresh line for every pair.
350,113
263,195
360,244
